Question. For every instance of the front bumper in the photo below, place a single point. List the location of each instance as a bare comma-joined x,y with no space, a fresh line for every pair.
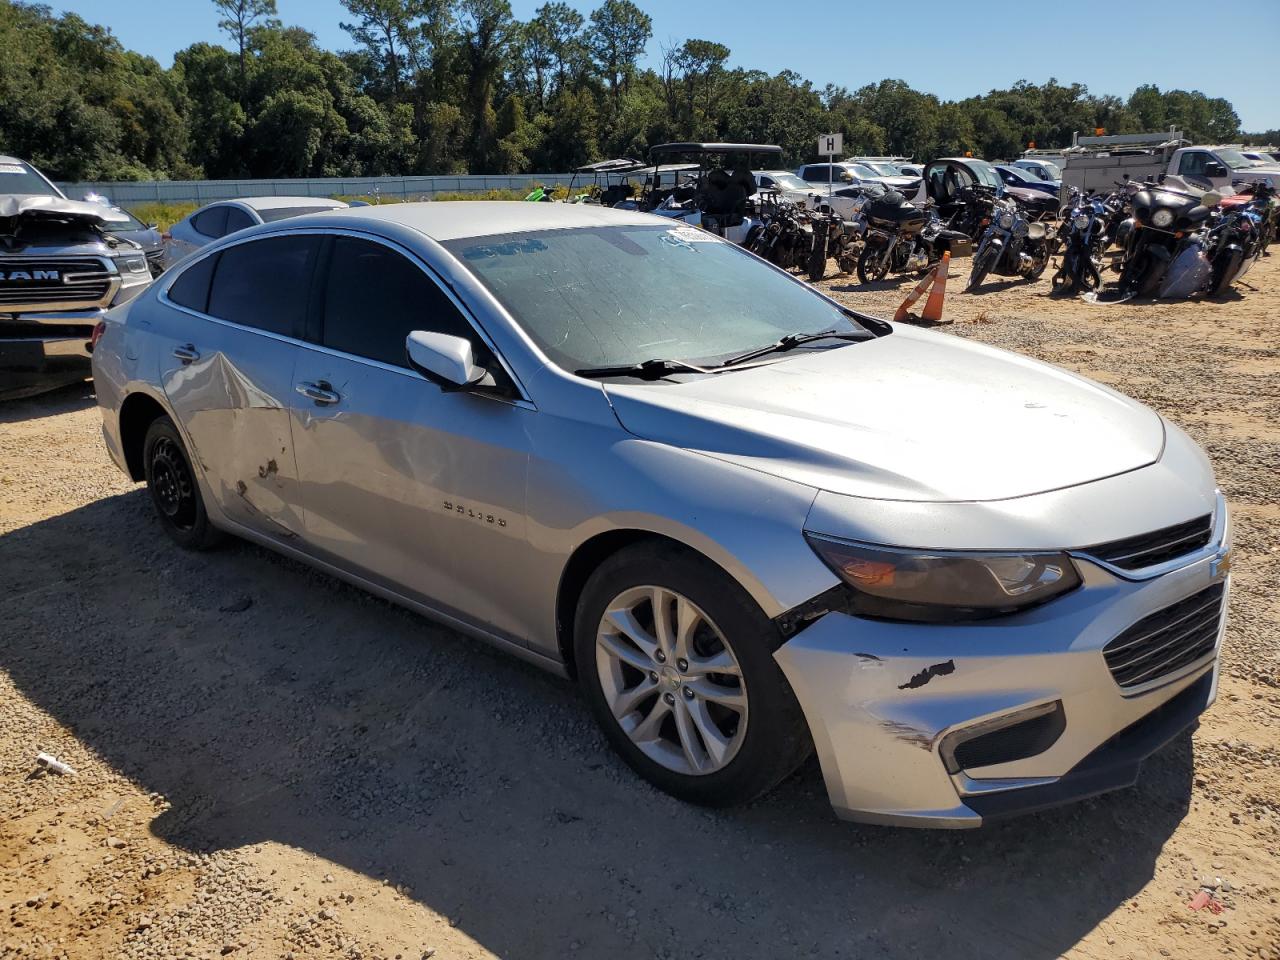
886,702
44,351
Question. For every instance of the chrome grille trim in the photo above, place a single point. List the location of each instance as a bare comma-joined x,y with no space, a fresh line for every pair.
1157,547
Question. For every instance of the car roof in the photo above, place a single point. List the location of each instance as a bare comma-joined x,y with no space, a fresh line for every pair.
457,219
276,203
4,159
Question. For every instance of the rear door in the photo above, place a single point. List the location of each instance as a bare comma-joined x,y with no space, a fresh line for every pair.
227,367
415,488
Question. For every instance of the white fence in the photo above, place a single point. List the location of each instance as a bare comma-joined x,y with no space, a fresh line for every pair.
130,193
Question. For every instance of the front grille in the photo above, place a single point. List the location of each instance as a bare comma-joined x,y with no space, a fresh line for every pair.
1159,546
54,282
1167,640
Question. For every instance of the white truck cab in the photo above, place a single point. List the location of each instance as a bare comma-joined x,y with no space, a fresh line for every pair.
1221,166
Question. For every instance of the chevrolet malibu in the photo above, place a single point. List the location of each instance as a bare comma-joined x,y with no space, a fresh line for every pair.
751,522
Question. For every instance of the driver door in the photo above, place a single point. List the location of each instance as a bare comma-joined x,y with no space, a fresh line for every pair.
407,485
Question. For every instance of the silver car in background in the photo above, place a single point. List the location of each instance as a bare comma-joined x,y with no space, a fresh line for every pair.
215,220
751,522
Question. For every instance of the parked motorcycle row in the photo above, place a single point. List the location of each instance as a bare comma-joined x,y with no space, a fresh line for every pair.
1172,240
1164,237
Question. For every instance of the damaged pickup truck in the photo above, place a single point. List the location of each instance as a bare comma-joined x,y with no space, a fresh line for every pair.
61,269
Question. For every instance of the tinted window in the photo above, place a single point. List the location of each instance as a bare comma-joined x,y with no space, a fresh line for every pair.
237,219
284,213
265,283
191,289
375,297
211,222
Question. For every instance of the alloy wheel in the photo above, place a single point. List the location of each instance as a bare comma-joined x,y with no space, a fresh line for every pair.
671,680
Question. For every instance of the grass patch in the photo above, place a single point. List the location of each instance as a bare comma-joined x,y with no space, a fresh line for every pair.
163,215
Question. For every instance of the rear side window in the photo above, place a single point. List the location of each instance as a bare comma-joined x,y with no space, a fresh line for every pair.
191,289
237,219
265,283
211,223
374,297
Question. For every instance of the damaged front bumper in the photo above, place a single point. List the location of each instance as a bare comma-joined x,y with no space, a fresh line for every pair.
949,725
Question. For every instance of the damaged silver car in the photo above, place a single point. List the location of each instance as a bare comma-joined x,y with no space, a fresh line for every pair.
61,269
751,522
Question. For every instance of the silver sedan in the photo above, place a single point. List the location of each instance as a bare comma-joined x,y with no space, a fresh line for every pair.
751,522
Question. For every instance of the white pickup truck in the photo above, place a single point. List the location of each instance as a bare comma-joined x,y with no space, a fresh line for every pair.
1205,167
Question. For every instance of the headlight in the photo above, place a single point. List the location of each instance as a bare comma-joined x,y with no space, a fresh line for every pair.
1006,220
132,264
1081,221
944,586
1162,218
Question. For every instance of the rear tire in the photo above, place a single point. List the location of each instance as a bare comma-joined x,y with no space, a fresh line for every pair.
173,487
699,708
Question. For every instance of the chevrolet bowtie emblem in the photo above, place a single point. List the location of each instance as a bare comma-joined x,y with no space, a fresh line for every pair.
1221,565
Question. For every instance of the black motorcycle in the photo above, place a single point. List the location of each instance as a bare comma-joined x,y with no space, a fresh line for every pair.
832,239
1012,245
1164,222
902,238
784,239
1083,247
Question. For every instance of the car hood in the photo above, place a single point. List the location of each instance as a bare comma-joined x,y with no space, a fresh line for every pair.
910,416
57,208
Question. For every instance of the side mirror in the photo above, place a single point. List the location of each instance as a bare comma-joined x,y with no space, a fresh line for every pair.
443,359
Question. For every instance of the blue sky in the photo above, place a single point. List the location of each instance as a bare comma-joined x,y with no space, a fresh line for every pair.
948,47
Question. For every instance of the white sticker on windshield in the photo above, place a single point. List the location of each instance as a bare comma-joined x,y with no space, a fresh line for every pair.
11,168
693,235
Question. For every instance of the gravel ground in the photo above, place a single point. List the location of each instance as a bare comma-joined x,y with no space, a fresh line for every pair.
271,764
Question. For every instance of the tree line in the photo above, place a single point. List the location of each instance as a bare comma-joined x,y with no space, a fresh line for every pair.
462,86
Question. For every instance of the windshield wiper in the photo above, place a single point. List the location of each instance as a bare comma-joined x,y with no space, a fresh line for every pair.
792,340
645,370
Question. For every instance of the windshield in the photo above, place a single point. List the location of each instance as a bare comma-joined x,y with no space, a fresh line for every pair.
985,173
272,214
1234,159
1018,174
884,169
789,181
861,171
18,178
604,296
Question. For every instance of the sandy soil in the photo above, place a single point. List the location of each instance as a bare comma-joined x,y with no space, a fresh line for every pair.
270,764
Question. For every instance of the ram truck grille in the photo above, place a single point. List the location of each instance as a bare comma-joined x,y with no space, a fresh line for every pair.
55,283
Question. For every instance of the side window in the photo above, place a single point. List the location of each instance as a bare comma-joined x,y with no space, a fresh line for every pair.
1193,163
766,183
211,223
265,283
374,297
237,219
191,289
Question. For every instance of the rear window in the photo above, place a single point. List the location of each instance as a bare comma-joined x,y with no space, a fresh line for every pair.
211,223
285,213
237,219
264,283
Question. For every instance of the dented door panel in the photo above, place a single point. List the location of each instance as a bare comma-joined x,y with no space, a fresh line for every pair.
233,402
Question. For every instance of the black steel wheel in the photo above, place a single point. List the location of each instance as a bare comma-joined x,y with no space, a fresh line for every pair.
174,489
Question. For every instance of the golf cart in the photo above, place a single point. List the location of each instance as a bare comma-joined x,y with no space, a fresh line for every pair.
604,190
717,191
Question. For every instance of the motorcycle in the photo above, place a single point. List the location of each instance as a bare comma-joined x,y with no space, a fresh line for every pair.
832,239
1261,198
902,238
784,238
1012,245
1085,242
1165,224
1233,244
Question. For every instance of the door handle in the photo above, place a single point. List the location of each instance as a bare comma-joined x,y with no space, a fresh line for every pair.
322,392
186,353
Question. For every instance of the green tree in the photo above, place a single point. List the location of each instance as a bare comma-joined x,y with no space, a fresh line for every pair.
240,18
621,30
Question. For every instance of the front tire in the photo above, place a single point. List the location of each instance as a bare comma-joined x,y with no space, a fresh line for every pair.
981,267
173,487
873,264
676,661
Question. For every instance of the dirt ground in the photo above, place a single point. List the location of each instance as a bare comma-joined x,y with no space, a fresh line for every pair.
271,764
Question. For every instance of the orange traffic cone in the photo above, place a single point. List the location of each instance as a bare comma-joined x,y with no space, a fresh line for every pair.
901,313
933,306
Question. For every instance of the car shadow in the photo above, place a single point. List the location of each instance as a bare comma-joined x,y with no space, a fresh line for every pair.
75,396
322,718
